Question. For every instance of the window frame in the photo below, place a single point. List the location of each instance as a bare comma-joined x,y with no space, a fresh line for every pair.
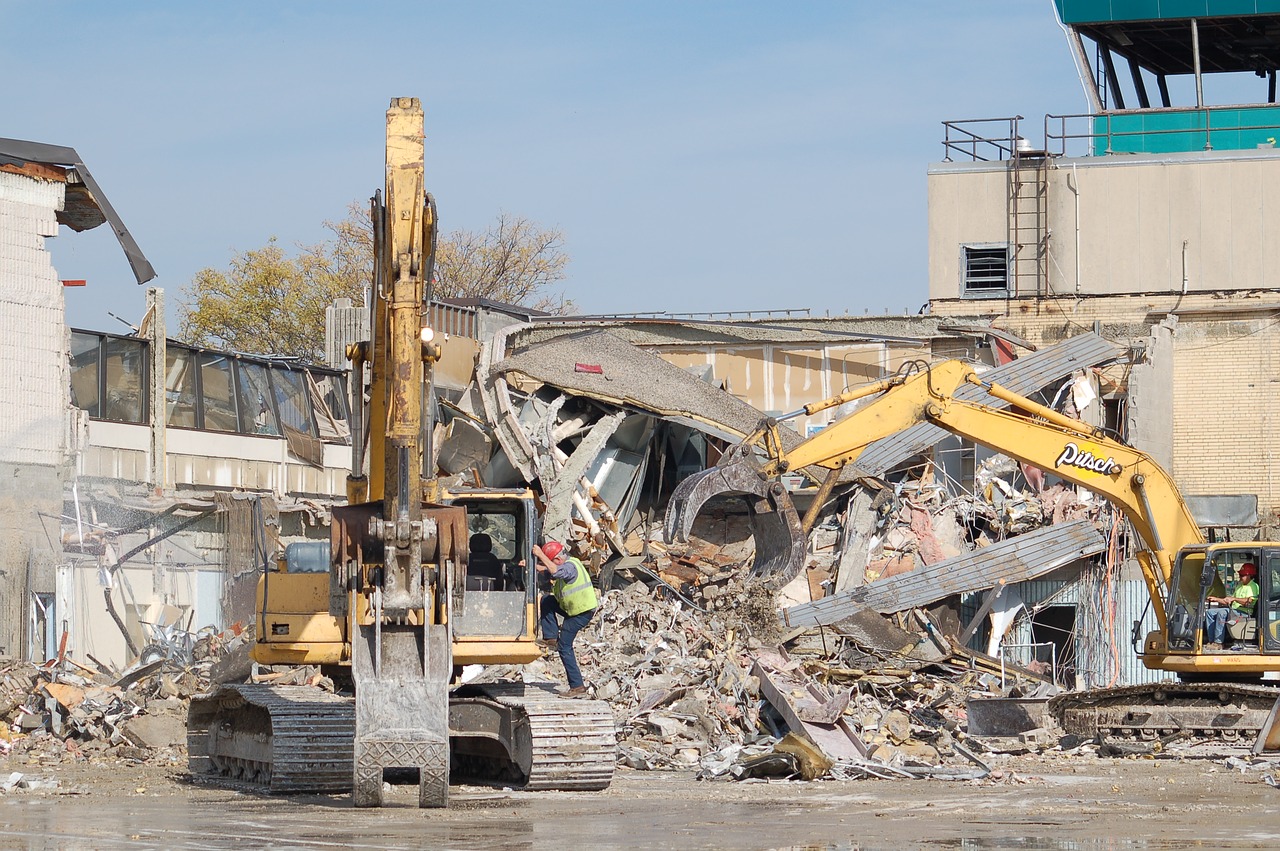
144,366
198,356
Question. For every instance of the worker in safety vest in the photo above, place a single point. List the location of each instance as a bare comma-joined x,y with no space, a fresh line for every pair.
567,609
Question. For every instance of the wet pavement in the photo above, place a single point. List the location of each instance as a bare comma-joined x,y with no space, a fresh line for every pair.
1124,806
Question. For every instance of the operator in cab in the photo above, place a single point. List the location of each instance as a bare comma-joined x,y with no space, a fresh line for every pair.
1239,604
567,609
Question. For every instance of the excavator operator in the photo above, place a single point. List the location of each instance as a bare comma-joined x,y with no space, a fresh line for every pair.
1239,605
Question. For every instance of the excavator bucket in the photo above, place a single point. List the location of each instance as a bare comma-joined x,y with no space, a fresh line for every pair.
780,540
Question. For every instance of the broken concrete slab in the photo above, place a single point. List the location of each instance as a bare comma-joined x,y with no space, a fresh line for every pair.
156,731
1007,716
630,376
797,698
871,629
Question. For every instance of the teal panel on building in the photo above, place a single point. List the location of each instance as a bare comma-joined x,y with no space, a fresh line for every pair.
1103,11
1174,131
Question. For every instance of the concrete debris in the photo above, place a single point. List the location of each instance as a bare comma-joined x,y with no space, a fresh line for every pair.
63,711
18,780
715,688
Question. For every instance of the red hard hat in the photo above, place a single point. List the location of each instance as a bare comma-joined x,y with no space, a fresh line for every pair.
552,548
1247,569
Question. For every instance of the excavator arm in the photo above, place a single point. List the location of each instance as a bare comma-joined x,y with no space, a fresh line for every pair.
1027,431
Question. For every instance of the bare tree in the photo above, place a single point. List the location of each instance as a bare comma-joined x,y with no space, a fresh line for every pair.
269,303
514,261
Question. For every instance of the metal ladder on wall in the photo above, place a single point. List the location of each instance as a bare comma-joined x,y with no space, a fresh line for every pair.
1028,222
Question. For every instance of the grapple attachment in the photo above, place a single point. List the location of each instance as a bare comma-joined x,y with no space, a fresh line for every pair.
779,538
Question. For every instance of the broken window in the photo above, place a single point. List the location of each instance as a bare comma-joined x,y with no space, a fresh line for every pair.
985,271
180,389
124,366
291,399
329,401
109,376
217,393
255,400
85,376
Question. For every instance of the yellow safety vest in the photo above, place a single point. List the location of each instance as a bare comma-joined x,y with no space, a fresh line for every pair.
577,595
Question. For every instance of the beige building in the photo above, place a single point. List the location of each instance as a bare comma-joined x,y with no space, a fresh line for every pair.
1167,253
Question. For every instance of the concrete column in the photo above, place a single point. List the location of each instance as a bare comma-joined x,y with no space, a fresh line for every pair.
157,472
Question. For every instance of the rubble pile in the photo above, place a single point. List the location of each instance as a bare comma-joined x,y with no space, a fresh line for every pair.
63,710
676,677
720,691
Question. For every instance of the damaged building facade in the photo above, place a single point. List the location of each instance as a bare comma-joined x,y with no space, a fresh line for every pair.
1145,220
42,187
191,470
606,415
119,527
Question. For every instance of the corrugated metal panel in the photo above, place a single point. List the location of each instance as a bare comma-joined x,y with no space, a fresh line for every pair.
1025,376
1134,601
1104,654
1024,557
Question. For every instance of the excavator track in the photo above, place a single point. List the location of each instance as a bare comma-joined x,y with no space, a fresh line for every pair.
1222,711
277,739
556,743
300,739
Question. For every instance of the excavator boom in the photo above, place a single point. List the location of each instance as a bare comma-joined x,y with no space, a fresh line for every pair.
1026,431
1178,567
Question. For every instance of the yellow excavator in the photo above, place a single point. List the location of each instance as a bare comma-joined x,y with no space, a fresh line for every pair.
419,582
1218,693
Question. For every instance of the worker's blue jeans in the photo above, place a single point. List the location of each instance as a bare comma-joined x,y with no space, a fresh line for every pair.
1215,621
563,633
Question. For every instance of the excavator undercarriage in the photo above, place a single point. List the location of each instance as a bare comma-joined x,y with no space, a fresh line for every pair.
1226,712
292,739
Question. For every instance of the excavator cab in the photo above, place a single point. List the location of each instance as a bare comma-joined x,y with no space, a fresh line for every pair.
1204,572
497,621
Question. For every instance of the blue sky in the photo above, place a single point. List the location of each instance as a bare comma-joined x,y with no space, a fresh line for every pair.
698,156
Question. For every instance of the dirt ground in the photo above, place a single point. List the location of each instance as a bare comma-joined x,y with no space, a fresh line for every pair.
1036,802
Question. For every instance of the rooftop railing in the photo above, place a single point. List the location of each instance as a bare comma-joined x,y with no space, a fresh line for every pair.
1143,131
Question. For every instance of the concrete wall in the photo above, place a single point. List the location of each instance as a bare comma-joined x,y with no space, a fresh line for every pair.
34,397
1134,214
